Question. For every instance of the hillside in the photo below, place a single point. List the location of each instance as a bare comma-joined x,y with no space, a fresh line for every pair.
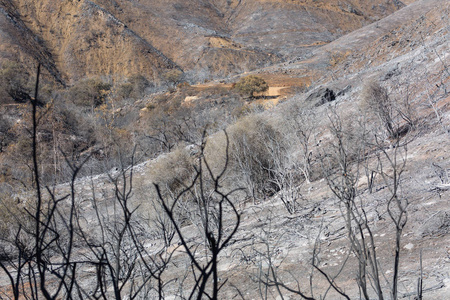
408,54
82,39
78,39
333,184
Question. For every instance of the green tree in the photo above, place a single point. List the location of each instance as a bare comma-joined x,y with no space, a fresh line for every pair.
250,85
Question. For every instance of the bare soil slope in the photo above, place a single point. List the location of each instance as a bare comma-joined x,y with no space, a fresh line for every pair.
407,53
211,38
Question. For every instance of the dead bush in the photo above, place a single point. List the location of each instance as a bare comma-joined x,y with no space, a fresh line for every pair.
437,224
171,171
12,213
173,77
183,85
14,81
241,111
134,87
125,90
376,100
89,92
397,117
217,91
254,141
6,135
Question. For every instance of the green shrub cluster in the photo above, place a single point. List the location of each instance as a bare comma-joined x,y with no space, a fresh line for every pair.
250,85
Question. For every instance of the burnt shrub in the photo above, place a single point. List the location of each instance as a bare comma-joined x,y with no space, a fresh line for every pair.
254,142
89,92
14,83
135,87
173,77
173,170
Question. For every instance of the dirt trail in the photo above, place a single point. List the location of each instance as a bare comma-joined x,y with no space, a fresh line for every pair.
272,96
274,91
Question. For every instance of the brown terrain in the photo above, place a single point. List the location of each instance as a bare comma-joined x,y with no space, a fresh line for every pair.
211,38
300,48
